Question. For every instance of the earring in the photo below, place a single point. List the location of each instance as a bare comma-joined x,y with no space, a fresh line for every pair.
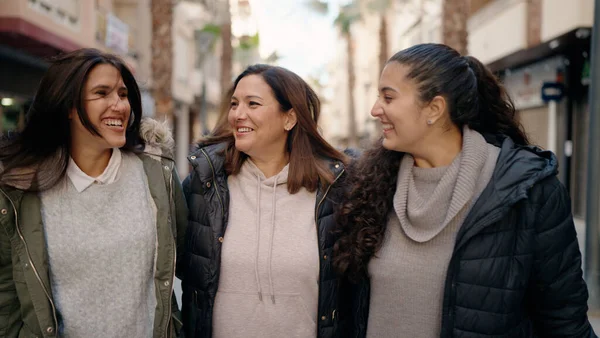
429,122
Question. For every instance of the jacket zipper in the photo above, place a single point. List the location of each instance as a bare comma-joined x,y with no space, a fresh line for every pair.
320,253
170,297
325,195
494,217
37,275
214,181
461,240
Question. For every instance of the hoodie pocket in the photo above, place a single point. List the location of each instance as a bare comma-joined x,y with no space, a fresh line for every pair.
244,314
304,309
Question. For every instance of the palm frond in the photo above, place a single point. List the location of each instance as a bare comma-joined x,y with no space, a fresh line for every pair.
321,7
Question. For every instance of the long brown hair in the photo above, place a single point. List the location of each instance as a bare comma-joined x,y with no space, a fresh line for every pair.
309,152
475,99
37,158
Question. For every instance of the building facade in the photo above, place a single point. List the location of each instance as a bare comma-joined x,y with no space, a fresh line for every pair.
32,31
538,48
529,44
408,23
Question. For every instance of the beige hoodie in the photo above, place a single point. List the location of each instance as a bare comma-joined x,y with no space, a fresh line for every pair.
268,285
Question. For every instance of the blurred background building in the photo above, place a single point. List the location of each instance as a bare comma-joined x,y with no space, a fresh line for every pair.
183,53
186,53
30,31
527,43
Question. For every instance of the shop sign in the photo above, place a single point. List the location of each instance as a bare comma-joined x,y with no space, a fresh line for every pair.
552,91
524,85
117,34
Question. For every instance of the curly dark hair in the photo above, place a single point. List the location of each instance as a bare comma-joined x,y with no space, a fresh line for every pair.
362,217
475,98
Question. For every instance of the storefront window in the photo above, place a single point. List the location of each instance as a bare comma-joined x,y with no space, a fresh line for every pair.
580,157
12,113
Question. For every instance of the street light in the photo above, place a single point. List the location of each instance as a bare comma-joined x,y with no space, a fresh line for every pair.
7,102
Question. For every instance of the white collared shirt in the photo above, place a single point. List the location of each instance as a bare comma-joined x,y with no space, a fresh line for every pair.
82,181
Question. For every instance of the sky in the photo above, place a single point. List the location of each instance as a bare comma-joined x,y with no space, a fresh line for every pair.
305,40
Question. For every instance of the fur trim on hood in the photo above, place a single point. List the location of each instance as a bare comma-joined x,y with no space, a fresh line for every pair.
158,137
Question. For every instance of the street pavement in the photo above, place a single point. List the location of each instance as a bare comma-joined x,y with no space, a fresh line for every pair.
580,228
177,289
595,320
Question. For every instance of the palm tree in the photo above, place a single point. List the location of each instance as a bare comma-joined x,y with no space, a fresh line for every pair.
383,42
346,18
455,14
348,15
162,57
227,48
380,8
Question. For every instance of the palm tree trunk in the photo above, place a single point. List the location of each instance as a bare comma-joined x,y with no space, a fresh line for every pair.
227,49
352,132
534,22
455,14
383,42
162,57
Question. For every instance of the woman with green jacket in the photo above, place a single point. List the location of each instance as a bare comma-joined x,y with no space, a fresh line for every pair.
91,210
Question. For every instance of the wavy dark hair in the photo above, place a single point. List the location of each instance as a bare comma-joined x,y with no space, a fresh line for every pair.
309,152
475,98
37,158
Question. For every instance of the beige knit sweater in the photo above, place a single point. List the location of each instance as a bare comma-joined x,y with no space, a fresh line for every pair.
430,205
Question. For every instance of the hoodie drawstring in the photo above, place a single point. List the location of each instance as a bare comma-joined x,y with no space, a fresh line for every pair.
271,241
257,238
272,235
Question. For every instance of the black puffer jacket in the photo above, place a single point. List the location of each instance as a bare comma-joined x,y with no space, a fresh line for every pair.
207,195
516,266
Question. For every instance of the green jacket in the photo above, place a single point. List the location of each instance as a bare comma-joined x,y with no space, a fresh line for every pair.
27,308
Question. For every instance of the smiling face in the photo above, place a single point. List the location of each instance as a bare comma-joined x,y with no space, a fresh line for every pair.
403,117
259,126
107,107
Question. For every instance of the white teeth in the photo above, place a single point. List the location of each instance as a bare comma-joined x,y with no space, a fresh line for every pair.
244,130
113,122
387,126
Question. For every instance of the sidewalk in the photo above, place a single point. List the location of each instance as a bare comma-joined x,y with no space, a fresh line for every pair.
595,320
580,228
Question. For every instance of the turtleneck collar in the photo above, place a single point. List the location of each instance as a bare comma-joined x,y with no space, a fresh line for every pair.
424,213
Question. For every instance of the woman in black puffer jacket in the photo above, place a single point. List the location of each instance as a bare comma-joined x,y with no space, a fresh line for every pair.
261,194
454,225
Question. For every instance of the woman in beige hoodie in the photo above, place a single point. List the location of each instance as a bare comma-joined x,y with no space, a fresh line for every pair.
261,195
